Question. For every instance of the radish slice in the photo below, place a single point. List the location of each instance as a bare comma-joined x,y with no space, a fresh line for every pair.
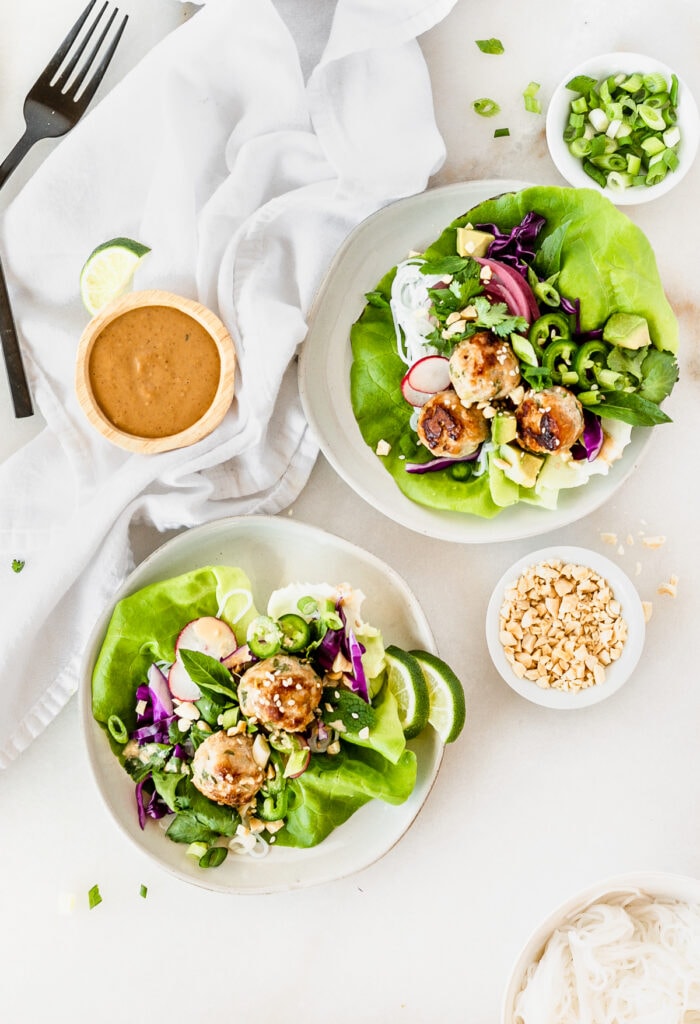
208,635
412,396
241,656
181,684
430,374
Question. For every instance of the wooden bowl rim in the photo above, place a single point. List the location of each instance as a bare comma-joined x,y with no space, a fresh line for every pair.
224,393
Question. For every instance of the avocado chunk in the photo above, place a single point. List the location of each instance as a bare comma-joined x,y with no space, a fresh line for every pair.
471,242
627,330
519,466
504,428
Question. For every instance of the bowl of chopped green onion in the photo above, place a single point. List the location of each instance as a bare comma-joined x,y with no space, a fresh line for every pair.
623,123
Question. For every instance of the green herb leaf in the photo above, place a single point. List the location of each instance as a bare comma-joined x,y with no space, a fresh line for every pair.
186,828
377,299
631,408
495,317
166,784
446,265
537,377
348,708
94,896
207,672
18,564
490,45
627,360
659,373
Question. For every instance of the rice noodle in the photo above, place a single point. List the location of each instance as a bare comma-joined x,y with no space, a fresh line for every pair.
410,308
629,959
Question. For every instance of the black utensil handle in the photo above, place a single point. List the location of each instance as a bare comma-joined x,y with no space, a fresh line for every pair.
16,155
19,388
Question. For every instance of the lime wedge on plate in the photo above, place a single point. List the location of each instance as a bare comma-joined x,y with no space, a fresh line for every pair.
448,709
109,271
405,680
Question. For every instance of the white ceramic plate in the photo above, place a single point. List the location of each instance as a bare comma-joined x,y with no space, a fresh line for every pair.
273,552
324,376
617,673
599,67
656,884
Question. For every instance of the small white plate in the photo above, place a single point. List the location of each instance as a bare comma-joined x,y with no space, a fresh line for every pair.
655,884
375,246
600,67
616,674
273,552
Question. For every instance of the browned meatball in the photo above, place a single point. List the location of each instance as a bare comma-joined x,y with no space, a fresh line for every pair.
448,428
483,367
550,420
223,768
281,693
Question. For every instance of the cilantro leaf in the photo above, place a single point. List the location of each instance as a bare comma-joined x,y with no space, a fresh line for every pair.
659,374
627,360
494,316
377,299
18,564
348,708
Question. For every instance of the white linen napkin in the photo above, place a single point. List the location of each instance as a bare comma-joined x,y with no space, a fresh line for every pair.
243,179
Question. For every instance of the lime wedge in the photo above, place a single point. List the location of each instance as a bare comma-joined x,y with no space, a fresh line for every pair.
448,709
109,271
405,680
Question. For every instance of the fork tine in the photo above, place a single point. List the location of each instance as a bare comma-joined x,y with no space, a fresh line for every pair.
60,54
99,72
62,80
80,77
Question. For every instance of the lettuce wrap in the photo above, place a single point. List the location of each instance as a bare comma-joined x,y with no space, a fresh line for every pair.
591,257
358,749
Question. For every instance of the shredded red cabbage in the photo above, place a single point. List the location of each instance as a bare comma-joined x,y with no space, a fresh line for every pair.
591,441
441,463
515,246
149,804
358,681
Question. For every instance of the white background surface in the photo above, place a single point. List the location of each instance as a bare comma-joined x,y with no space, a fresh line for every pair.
530,805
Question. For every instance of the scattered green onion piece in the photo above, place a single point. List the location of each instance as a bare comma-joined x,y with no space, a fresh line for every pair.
670,159
581,83
654,82
94,897
490,45
673,92
524,350
579,106
18,564
532,104
594,172
486,107
634,162
117,729
619,180
580,147
143,892
197,850
501,133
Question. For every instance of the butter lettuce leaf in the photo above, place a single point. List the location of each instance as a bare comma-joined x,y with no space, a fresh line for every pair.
144,627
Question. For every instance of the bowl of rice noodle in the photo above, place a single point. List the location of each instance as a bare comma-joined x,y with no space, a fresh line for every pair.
623,951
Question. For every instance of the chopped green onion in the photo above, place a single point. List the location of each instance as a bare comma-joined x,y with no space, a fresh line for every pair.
501,133
532,104
214,856
490,45
486,107
623,127
94,897
117,729
307,605
143,891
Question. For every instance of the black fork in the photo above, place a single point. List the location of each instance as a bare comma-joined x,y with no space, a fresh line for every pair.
54,105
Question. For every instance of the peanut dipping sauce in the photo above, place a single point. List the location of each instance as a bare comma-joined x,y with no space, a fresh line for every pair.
154,371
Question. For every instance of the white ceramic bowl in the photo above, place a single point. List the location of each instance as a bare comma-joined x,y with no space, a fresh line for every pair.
656,884
571,168
273,551
617,673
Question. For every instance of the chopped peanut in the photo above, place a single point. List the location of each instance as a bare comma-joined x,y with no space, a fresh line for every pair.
560,626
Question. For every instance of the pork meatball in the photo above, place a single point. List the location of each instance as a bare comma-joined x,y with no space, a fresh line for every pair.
483,368
550,420
448,428
281,692
223,769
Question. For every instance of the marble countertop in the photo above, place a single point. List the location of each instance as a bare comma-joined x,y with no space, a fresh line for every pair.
530,805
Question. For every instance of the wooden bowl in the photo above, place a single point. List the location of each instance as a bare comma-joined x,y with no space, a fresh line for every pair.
129,388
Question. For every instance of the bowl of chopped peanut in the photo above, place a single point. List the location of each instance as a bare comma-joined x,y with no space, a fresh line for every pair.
565,627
